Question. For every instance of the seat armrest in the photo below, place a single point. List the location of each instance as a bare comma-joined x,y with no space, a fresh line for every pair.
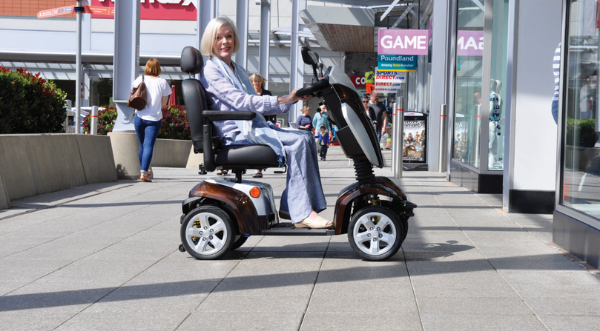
223,115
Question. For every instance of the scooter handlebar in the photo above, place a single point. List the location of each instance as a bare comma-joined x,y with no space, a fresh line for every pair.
312,88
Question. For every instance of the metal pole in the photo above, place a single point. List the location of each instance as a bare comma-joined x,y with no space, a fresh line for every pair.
399,125
126,60
94,121
442,156
394,138
241,17
297,66
78,71
265,41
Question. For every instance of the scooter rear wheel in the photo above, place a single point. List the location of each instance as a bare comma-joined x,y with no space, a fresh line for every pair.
207,233
375,233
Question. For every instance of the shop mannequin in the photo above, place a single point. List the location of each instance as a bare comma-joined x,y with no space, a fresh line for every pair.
494,126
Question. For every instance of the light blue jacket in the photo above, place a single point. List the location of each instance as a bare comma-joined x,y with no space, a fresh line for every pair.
321,119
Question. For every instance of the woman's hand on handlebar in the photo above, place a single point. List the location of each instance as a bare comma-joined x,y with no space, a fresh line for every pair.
290,98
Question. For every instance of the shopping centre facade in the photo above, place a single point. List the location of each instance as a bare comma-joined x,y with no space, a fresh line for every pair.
486,87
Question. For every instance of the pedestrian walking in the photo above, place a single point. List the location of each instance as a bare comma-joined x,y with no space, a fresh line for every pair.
304,121
380,114
258,82
323,142
147,122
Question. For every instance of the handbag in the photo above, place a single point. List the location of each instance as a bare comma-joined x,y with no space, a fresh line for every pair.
138,98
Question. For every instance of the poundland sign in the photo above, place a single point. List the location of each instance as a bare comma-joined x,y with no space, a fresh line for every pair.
397,62
403,42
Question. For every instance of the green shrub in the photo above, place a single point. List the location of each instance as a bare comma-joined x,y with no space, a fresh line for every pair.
30,104
174,122
106,121
585,130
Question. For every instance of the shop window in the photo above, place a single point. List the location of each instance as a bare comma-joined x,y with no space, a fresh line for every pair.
498,86
468,98
580,170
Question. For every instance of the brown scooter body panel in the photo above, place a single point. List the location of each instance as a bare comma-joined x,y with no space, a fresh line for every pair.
237,202
381,186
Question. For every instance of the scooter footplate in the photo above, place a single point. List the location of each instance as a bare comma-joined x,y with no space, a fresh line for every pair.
288,229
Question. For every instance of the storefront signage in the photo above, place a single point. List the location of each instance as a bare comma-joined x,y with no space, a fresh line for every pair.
397,62
403,42
71,9
176,10
358,81
389,81
469,43
55,12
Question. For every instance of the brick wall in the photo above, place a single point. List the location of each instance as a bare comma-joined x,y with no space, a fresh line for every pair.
31,7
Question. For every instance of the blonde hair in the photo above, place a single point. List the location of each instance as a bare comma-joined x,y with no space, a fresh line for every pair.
258,76
305,108
210,35
152,67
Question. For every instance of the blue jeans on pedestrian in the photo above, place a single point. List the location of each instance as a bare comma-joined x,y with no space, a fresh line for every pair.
555,111
147,131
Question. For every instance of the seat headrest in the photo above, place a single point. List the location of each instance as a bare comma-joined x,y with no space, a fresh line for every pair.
191,60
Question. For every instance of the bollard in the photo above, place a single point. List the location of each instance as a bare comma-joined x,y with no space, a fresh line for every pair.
443,154
394,138
399,129
94,121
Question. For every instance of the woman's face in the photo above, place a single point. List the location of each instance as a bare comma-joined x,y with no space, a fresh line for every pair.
257,85
224,43
306,112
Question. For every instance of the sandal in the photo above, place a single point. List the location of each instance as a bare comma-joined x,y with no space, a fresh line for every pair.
144,178
222,172
318,223
257,175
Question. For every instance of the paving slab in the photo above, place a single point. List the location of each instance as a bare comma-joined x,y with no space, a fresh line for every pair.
242,321
126,320
469,322
360,321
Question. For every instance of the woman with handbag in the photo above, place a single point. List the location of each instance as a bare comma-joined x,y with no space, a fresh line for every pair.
148,120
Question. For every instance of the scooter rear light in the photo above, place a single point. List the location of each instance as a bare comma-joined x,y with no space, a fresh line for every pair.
255,192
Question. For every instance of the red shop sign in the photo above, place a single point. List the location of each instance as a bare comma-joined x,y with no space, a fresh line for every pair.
358,81
175,10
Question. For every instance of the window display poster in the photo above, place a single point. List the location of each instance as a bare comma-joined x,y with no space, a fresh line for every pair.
413,146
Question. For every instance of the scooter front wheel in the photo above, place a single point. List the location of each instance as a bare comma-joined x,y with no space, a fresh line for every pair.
375,233
207,233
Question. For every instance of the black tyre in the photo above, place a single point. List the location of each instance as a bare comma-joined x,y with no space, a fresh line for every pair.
404,221
207,233
239,241
375,233
403,218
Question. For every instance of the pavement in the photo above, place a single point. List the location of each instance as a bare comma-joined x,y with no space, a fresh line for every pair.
104,257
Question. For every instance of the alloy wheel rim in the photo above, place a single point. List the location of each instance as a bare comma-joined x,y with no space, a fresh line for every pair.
374,234
206,233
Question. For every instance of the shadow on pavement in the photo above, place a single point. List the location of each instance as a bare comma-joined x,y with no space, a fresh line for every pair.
206,286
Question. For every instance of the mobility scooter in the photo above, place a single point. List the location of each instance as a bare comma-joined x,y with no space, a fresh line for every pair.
221,213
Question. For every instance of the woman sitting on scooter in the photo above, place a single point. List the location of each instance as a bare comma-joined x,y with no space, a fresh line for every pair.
228,88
